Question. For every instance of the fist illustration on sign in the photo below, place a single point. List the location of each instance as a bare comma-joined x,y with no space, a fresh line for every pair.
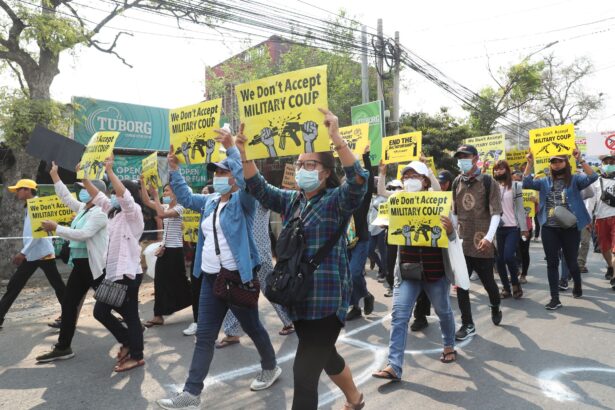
266,137
310,131
436,233
209,149
406,231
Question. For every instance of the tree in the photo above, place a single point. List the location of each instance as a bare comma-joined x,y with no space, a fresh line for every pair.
563,97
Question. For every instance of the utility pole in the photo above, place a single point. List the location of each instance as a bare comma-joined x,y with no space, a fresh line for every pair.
395,113
364,66
380,60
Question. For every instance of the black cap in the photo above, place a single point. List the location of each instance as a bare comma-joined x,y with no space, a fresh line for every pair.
466,149
445,176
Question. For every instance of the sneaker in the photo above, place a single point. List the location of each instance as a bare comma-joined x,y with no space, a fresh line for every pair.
465,332
583,269
56,354
577,290
368,304
182,401
474,276
522,279
190,330
381,279
553,304
563,284
609,274
419,324
496,315
388,293
354,313
56,324
265,379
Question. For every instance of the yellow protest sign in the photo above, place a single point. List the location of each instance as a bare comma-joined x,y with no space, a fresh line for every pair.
516,159
281,114
383,215
431,165
93,160
542,168
149,171
192,132
356,136
558,140
414,218
491,148
402,148
288,180
528,203
190,223
48,208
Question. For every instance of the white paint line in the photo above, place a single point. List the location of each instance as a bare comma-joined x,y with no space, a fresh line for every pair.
556,390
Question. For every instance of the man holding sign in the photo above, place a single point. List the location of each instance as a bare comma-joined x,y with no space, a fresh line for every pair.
36,253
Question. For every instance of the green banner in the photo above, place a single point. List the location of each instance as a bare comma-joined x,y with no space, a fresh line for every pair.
373,114
129,167
140,127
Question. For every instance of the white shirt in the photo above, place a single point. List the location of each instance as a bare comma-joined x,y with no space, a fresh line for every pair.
508,208
603,210
211,263
173,234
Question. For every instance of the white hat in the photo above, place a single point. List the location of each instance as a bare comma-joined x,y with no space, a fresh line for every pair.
418,167
395,183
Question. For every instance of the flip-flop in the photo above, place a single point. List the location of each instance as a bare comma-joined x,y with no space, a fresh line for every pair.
122,357
443,357
151,323
226,343
388,375
138,363
287,330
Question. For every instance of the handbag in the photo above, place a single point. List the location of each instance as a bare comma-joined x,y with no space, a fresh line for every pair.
228,285
411,271
564,217
111,293
606,196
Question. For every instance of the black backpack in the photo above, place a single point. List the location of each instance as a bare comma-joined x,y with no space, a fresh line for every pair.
486,183
606,196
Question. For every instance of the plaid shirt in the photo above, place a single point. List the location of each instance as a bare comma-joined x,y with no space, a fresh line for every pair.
327,211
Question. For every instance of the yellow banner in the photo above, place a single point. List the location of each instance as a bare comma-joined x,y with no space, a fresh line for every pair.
281,114
190,221
516,158
491,148
98,149
558,140
288,180
402,148
528,204
542,168
357,137
149,170
48,208
192,132
414,218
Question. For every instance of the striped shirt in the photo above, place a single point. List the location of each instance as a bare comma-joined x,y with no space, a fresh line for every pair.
173,232
430,258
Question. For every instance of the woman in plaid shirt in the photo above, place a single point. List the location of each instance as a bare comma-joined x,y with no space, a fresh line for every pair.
324,205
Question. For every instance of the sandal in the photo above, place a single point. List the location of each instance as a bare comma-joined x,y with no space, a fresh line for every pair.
505,294
287,330
359,406
121,368
387,373
226,342
152,323
122,354
517,292
444,358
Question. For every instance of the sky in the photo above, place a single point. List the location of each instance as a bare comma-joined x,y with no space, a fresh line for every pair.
455,36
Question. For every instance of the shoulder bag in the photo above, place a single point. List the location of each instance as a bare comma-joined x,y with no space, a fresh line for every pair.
111,293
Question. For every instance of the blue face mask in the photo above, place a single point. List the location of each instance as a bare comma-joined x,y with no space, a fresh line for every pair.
84,196
114,202
307,180
166,200
608,169
221,185
465,165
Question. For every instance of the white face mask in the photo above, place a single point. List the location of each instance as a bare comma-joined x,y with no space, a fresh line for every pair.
413,185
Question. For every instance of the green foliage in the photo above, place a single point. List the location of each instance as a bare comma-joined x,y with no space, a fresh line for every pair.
52,31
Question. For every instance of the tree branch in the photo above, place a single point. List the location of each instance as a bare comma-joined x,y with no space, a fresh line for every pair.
110,49
24,89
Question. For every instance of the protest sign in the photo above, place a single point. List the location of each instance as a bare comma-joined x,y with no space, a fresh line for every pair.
491,148
51,146
414,218
357,138
149,171
288,181
98,149
528,203
48,208
371,113
190,224
516,159
549,141
281,113
542,168
192,132
431,164
600,143
383,215
402,148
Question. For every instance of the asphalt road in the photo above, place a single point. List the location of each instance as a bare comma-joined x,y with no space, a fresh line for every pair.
535,359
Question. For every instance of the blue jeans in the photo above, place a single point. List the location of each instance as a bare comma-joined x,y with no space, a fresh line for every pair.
566,240
508,238
211,314
358,257
404,298
379,242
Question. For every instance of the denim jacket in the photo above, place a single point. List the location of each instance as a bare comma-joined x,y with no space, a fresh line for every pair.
236,218
573,196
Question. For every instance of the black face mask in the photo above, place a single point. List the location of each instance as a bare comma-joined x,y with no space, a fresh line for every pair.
500,178
559,172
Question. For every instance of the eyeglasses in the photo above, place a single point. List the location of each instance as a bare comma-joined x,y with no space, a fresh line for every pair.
309,165
412,176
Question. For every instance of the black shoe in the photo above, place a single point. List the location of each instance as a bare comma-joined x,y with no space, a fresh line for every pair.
577,290
56,354
563,284
1,322
56,324
464,332
388,293
368,304
419,324
354,313
553,304
609,274
496,315
612,283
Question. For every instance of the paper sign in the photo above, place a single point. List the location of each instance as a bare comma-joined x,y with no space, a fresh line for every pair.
371,113
491,148
190,223
98,149
48,208
516,159
414,218
528,204
356,136
543,169
431,165
149,170
383,215
558,140
402,148
281,113
600,143
50,146
288,181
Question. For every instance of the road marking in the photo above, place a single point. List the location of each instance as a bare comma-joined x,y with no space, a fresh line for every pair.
556,390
